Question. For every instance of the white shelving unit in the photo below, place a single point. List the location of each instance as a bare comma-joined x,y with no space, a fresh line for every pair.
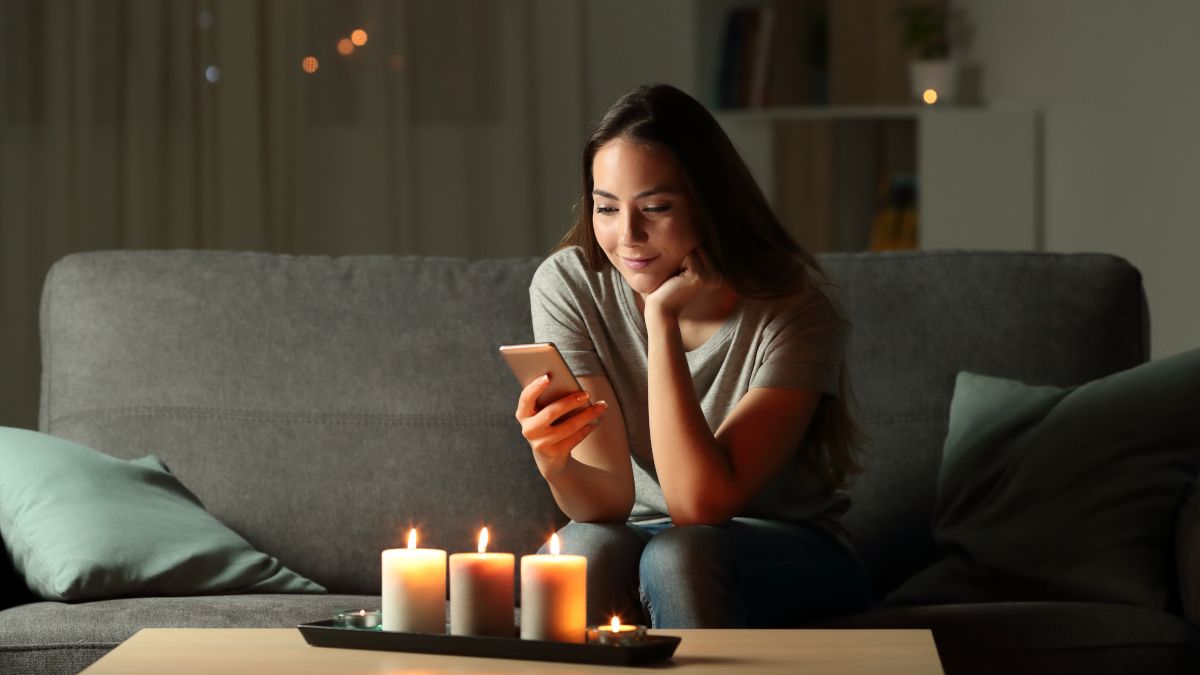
978,170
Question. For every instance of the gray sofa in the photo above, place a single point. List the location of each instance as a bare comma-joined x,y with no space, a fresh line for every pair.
319,406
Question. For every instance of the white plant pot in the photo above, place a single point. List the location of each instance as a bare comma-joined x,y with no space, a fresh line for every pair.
938,76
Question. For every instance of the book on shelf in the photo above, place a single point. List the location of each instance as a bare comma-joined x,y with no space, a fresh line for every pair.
745,58
774,54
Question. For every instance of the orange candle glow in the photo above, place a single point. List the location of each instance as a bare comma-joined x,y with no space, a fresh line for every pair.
616,633
554,596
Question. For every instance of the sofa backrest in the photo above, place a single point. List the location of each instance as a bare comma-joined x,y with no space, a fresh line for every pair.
320,406
919,319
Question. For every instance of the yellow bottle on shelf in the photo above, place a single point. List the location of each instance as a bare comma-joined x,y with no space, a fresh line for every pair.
895,224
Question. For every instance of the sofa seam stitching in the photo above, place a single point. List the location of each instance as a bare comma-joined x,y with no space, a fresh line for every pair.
364,419
50,647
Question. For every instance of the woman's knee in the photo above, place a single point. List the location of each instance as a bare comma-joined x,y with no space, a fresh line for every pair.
601,543
683,552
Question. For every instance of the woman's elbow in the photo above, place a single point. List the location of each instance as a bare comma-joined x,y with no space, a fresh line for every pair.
618,513
700,512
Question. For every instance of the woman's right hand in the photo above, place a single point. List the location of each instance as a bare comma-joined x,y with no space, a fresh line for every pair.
549,435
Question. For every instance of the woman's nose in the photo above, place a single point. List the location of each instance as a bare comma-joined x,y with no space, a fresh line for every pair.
632,230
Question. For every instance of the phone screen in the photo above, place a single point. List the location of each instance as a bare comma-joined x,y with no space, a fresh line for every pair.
531,361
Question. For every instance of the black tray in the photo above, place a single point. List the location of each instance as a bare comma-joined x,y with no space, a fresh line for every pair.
655,647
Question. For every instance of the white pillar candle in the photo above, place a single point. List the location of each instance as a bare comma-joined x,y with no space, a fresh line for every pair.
481,592
554,596
414,588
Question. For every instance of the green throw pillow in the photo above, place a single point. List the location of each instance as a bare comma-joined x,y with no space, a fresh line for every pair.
1063,494
81,525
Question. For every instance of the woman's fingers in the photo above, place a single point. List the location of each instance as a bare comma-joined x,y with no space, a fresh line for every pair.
548,433
569,434
576,438
553,412
527,403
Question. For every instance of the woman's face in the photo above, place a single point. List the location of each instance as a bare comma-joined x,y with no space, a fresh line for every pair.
643,216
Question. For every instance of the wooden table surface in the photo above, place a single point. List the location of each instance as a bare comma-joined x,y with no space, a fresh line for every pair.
283,650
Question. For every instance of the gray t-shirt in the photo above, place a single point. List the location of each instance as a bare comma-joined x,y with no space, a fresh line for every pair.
794,342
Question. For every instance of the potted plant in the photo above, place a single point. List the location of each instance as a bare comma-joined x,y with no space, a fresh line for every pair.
933,73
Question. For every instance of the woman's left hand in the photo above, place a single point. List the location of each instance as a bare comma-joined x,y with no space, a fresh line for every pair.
694,276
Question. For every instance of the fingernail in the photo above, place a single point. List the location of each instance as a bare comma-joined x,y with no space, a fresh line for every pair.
544,378
602,404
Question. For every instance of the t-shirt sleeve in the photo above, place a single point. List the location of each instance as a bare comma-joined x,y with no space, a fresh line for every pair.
805,348
559,299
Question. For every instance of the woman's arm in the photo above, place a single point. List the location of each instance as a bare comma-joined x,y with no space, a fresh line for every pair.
584,459
708,478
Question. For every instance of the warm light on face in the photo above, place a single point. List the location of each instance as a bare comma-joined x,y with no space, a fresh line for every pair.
309,64
412,538
554,546
358,37
642,214
483,540
345,47
929,96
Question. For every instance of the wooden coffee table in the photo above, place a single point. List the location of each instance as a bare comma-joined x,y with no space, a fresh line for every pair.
283,650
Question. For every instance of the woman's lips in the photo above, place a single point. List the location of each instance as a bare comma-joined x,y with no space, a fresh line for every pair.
638,263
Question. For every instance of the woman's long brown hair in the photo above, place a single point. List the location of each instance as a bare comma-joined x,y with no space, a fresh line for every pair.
740,235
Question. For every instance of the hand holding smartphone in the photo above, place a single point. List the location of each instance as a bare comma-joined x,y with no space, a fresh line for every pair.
530,361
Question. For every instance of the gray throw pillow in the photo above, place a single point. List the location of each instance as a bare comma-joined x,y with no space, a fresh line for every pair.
81,525
1048,493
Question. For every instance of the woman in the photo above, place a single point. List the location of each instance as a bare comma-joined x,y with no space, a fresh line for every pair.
701,465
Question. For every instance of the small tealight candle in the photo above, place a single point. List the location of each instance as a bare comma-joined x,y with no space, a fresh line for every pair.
616,633
481,592
362,619
414,588
554,596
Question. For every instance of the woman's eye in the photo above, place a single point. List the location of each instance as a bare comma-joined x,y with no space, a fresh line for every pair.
605,209
658,209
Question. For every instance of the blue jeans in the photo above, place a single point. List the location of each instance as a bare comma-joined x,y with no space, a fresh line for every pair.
746,573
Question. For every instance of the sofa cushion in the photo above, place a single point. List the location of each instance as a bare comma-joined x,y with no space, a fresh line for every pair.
1049,493
80,525
55,637
1046,637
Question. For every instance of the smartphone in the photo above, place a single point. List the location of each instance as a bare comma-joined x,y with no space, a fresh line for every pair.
529,362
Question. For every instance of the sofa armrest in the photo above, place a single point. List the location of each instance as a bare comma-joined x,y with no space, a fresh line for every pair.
1187,554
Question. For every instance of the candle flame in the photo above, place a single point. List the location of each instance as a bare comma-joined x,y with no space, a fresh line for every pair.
483,540
363,612
412,538
616,625
554,545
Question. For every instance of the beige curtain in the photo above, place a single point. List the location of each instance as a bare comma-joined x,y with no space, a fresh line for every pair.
188,124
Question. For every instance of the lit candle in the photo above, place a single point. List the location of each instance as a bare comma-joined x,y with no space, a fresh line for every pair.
481,592
414,588
616,634
363,619
554,596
